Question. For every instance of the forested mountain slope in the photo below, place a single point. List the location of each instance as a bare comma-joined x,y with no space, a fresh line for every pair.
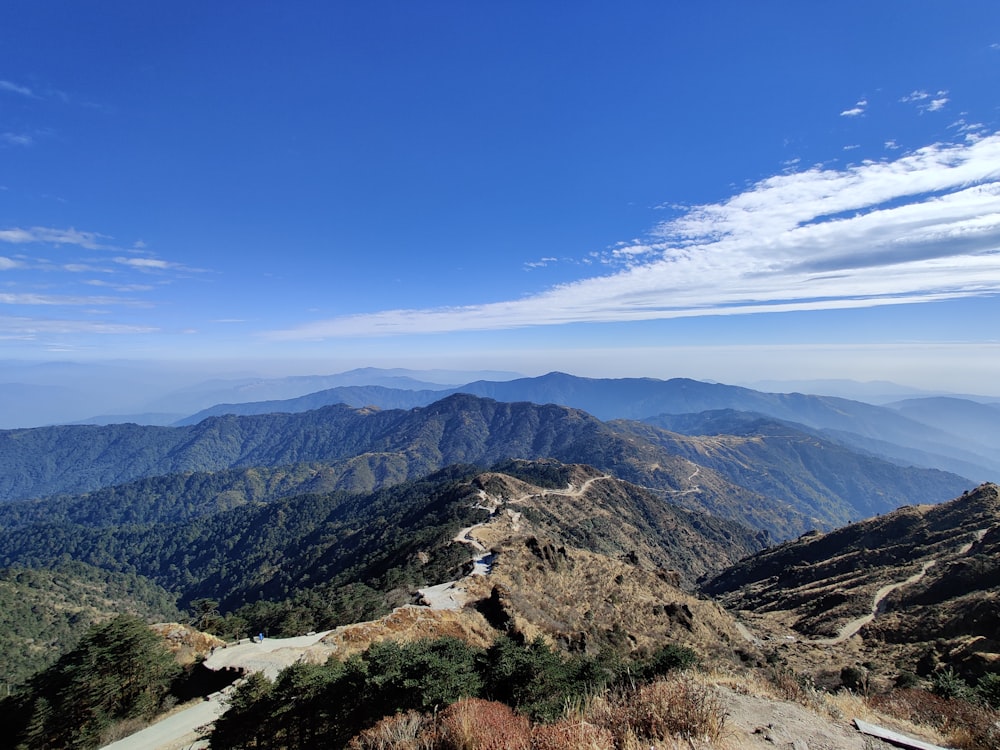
371,448
44,612
788,461
391,541
364,449
935,442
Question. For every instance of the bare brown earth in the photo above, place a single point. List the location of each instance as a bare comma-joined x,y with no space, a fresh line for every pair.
185,643
910,591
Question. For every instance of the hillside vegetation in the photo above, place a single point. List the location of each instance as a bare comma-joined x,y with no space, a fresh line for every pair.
45,612
545,566
361,450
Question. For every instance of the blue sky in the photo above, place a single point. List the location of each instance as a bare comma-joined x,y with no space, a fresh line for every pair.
729,191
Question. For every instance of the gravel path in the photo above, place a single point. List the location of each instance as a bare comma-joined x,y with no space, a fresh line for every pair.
179,730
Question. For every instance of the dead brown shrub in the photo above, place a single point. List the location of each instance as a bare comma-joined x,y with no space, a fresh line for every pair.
571,734
476,724
409,731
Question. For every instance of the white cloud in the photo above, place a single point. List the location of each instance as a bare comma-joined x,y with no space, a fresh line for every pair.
7,264
88,240
540,263
17,139
925,226
25,328
146,264
14,88
31,298
937,101
857,109
972,131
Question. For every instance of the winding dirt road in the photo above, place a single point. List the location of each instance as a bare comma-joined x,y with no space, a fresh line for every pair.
851,628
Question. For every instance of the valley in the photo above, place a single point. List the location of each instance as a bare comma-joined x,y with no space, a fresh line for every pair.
765,549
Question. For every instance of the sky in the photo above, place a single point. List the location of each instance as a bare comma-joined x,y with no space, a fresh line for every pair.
729,191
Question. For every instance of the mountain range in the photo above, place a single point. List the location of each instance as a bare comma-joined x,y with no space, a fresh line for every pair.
364,449
757,529
893,432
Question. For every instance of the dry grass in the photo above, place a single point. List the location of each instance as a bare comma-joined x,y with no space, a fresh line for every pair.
963,724
679,707
571,734
409,731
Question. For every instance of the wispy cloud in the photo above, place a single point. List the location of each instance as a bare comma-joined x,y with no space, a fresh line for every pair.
540,263
14,88
24,328
87,240
16,139
925,226
920,97
146,264
858,109
31,298
937,104
7,264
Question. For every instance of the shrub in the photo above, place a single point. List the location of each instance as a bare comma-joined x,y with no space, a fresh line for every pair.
949,684
407,731
988,689
667,659
855,679
907,679
967,726
477,724
571,734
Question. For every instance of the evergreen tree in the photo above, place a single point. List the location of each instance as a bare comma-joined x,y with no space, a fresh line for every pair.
120,670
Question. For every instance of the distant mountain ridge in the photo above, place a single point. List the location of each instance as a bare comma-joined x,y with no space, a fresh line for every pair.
338,447
790,462
881,430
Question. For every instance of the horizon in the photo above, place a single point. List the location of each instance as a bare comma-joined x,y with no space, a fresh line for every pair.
114,392
767,193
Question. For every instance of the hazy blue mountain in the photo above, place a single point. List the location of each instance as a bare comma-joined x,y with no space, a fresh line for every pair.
210,393
974,421
357,396
868,425
39,393
30,404
156,419
34,394
791,462
879,430
878,392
